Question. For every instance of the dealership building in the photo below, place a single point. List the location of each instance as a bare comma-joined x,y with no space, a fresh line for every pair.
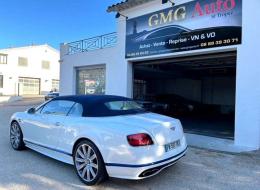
199,59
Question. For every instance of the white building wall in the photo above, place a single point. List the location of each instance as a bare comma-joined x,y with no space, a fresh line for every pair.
119,70
115,71
35,55
247,131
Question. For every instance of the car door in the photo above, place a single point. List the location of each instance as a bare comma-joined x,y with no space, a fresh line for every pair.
44,125
30,124
69,131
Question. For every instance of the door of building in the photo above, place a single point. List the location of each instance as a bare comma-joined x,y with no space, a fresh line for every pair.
29,86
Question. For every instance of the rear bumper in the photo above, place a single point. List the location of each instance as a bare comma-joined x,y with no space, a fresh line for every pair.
153,171
142,171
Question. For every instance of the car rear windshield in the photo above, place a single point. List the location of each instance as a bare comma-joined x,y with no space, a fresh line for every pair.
123,105
102,106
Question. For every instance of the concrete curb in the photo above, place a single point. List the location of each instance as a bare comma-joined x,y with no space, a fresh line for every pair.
5,99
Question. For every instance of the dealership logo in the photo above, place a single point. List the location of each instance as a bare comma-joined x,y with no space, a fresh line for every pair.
200,9
212,8
170,16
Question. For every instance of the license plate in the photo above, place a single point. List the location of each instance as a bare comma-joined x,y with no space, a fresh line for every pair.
172,145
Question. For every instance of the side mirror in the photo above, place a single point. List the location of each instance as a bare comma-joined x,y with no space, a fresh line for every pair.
31,111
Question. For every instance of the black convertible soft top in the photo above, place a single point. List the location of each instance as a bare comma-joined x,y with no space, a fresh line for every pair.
94,105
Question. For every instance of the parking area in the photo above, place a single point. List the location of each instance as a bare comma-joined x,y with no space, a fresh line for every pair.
199,170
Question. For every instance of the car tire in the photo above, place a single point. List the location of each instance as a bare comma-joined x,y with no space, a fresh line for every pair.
16,136
89,164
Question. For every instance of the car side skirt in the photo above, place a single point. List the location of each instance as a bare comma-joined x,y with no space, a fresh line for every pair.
50,152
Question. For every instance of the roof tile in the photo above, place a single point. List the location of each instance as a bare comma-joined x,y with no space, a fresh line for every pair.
126,5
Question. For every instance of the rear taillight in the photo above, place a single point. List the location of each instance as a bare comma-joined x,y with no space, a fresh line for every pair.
140,139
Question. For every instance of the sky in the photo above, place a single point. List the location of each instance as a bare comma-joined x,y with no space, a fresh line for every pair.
27,22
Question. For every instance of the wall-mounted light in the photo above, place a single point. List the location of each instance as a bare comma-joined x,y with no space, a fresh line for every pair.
166,1
119,14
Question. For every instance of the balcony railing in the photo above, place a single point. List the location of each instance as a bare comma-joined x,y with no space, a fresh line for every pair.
99,42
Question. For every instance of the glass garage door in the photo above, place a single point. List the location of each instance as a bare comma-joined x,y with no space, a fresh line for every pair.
55,85
91,80
29,86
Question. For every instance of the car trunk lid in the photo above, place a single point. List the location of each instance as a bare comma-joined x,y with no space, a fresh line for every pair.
162,128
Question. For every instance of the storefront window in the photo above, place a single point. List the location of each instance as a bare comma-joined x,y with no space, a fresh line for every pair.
91,80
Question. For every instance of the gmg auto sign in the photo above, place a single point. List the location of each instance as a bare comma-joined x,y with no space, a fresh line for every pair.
194,25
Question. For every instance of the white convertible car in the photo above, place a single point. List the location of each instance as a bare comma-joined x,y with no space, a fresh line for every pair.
101,136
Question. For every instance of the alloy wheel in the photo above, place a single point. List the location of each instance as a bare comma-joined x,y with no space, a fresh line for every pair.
15,135
86,163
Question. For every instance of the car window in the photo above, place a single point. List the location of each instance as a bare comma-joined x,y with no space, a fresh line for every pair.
123,105
76,110
57,107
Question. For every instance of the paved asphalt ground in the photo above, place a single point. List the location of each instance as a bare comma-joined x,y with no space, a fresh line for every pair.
199,170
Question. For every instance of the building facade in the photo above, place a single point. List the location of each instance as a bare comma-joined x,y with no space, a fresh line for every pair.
203,54
31,70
